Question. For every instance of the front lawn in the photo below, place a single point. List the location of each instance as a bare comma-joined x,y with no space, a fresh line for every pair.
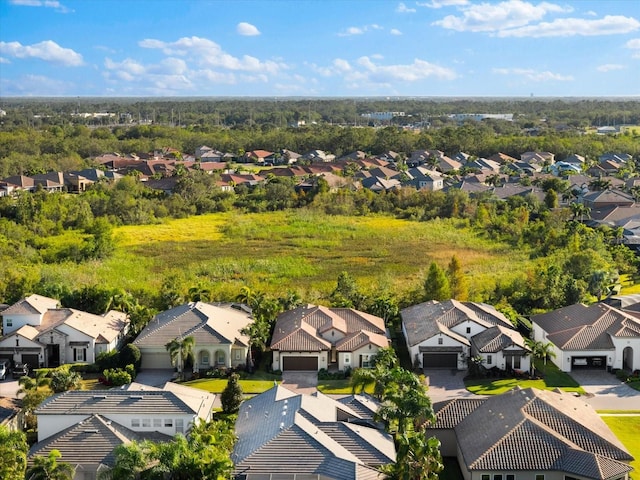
627,429
217,385
552,378
339,387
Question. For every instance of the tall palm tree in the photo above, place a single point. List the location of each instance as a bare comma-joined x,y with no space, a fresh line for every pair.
418,457
181,351
539,351
48,468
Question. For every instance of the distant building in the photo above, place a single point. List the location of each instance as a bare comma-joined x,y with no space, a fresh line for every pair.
460,117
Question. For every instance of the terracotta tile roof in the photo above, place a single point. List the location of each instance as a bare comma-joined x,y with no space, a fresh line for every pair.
301,329
581,327
357,340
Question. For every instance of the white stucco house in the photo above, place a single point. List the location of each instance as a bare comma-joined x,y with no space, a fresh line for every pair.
441,335
215,328
597,336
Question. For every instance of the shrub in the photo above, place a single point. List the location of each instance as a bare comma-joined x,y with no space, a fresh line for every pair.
622,375
107,360
130,355
64,379
116,377
231,396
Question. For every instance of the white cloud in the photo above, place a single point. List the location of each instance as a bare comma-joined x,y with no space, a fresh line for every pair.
395,31
591,13
341,65
48,50
247,29
490,17
608,67
4,60
533,75
418,70
42,3
37,85
569,27
402,8
208,53
359,30
633,43
443,3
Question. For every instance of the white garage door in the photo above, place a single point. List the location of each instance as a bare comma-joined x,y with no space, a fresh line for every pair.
156,360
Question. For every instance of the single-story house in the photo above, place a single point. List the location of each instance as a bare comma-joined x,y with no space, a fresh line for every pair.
313,337
529,434
501,347
216,329
595,336
86,426
439,334
282,434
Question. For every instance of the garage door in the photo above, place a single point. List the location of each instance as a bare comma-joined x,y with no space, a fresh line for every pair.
300,363
155,360
31,360
440,360
597,363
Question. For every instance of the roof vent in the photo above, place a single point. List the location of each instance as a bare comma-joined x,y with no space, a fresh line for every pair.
137,397
97,397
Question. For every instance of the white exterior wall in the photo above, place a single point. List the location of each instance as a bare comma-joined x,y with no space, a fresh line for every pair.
322,358
18,321
620,344
354,357
74,335
51,424
8,345
446,342
498,360
461,329
332,336
58,339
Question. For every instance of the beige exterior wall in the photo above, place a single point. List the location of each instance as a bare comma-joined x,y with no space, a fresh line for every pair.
446,342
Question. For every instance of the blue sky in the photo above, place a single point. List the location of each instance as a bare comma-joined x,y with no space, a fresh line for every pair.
319,48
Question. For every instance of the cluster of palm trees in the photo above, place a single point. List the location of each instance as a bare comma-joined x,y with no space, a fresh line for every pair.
539,351
406,411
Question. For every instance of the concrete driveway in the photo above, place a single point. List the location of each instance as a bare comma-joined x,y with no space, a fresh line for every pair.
605,391
446,384
301,382
9,388
155,377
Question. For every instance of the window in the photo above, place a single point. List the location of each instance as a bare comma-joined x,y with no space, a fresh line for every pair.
489,360
135,423
468,329
440,340
540,476
79,354
205,358
146,423
516,362
347,359
179,425
9,322
486,476
497,476
511,476
238,355
157,422
168,422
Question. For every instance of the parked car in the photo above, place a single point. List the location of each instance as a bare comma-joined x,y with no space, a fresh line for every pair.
20,370
5,366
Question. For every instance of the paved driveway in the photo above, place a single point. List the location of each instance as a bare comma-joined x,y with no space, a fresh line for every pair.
605,391
9,387
301,382
155,377
446,384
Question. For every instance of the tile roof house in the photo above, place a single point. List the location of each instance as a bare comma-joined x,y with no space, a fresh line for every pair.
607,197
216,329
442,334
39,333
282,434
529,433
86,426
313,337
594,336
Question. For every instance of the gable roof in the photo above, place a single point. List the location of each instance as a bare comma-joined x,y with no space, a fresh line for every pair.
300,329
280,431
497,338
427,319
33,304
581,327
207,323
561,433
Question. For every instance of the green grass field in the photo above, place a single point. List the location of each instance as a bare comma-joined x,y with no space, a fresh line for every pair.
627,429
300,250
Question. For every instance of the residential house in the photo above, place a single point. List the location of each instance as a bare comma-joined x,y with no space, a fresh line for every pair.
605,167
86,426
381,184
607,198
422,178
540,158
502,158
216,330
21,182
313,337
282,434
483,165
439,335
318,156
39,333
616,157
596,336
258,156
575,159
501,347
529,434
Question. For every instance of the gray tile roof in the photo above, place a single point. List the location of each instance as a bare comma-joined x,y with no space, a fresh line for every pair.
30,305
207,323
427,319
88,402
492,436
301,329
281,432
90,442
451,412
581,327
497,338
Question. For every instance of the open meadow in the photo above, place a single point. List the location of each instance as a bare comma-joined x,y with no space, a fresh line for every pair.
299,250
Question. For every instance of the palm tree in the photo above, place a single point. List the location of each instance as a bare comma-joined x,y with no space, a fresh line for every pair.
48,468
28,384
418,457
181,351
539,351
579,210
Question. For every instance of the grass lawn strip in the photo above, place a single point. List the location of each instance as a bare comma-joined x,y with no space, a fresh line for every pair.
217,385
627,429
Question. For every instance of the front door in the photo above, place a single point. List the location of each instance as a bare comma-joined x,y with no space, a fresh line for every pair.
53,355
